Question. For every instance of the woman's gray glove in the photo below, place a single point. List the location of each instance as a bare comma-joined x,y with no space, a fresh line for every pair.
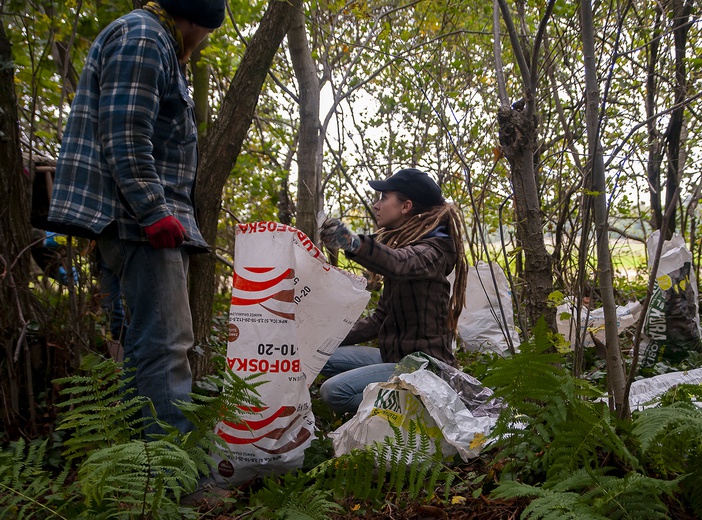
336,235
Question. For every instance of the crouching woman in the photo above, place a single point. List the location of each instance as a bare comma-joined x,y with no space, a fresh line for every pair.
418,246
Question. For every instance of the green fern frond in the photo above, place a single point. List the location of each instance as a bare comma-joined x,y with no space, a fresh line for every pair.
554,423
529,377
27,488
512,489
436,473
687,393
685,419
100,412
395,466
313,504
595,494
670,440
138,477
633,496
205,411
579,440
547,504
296,497
448,483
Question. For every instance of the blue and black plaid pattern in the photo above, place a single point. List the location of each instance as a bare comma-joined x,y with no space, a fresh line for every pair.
129,152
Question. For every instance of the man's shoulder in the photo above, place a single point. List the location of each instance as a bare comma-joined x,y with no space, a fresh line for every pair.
136,24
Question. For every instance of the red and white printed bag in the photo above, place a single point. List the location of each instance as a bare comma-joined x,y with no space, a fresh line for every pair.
290,310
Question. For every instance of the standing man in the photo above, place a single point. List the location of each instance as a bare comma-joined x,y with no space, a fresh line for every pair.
126,176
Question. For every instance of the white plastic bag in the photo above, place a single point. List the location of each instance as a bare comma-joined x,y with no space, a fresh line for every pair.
422,397
290,310
645,392
482,325
627,315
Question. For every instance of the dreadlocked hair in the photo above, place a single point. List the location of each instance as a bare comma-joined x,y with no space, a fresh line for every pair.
423,223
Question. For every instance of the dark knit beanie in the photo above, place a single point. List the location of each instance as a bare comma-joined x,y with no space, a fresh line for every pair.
205,13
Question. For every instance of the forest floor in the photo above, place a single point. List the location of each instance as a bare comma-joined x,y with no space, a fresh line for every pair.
461,504
480,508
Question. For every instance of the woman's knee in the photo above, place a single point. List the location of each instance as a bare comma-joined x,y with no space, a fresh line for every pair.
337,396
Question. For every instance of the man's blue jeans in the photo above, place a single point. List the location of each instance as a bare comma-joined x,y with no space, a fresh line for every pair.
111,301
160,333
350,370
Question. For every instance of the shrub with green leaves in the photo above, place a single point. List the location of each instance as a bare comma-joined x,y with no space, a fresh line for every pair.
562,447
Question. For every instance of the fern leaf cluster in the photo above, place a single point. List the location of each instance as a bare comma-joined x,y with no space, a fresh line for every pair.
553,423
138,478
557,431
99,411
296,496
27,490
594,495
227,392
670,442
120,474
399,466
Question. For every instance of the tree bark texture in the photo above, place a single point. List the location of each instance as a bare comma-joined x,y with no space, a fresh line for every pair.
309,149
615,367
681,26
655,145
517,131
220,152
16,389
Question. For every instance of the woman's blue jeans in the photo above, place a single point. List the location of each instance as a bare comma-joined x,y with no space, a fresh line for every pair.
160,333
350,370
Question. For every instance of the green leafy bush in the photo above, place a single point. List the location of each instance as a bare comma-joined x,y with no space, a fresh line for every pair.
561,445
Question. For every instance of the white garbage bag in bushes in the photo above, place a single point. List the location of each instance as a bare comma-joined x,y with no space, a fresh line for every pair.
627,315
644,393
290,310
424,397
483,325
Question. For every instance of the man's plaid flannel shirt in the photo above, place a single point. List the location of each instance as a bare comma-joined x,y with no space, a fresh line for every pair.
129,152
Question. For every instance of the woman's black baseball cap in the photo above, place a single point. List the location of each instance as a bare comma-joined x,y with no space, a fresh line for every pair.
414,184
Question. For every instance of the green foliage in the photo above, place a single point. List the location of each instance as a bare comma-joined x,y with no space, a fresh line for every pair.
594,495
405,468
206,410
27,490
394,466
138,478
670,442
554,423
685,393
557,432
119,474
99,414
293,498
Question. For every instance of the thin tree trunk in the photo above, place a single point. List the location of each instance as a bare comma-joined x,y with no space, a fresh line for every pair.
220,152
518,130
615,366
655,145
681,15
518,127
309,151
16,389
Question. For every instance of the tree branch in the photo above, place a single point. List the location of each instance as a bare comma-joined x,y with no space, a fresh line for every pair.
516,46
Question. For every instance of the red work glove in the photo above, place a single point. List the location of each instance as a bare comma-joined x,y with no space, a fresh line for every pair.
167,232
